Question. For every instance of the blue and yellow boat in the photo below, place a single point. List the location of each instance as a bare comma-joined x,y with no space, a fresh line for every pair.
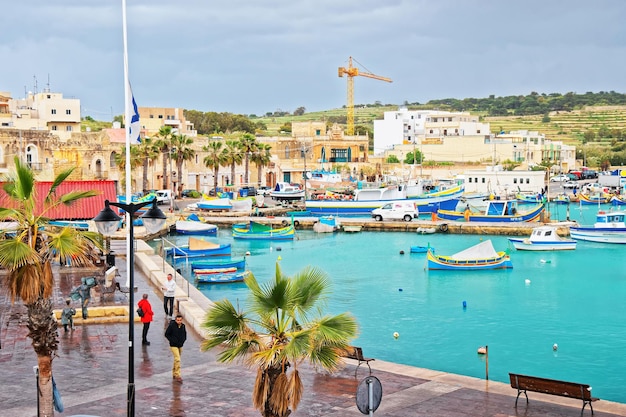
477,257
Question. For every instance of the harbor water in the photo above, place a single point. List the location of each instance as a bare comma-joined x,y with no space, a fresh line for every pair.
558,315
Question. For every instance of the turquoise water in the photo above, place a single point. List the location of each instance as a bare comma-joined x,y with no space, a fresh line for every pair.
576,299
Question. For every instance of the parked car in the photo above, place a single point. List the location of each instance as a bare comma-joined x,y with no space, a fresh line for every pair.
570,184
401,210
573,177
164,196
264,190
188,193
589,174
560,178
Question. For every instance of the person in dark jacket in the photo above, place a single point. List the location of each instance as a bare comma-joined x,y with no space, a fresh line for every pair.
176,334
145,306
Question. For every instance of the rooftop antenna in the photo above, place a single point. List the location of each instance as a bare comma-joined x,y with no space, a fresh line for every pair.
47,90
35,84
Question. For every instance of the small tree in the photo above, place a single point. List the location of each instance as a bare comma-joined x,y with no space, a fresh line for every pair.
279,332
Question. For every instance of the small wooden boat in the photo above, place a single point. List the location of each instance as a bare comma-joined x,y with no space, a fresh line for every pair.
426,230
351,229
477,257
327,224
543,238
210,203
222,278
496,211
215,270
610,227
199,248
594,198
525,197
258,231
74,224
561,198
194,226
219,264
420,249
617,200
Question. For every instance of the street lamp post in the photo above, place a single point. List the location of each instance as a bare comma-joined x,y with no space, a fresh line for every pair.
107,222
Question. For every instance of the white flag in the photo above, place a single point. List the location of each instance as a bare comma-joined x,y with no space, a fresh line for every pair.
135,127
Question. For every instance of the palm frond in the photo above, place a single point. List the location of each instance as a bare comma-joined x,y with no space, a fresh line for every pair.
279,397
261,390
295,388
73,196
14,254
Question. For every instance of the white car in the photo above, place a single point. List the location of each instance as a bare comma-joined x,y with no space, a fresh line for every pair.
570,184
264,190
559,178
401,210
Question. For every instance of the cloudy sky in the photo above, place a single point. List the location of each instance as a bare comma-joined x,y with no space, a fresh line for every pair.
257,56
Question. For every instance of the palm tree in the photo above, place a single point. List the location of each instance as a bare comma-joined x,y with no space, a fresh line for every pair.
248,145
214,159
234,157
181,152
262,158
164,144
136,159
148,152
27,256
279,332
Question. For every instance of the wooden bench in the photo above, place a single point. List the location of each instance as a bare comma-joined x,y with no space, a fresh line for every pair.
356,353
525,383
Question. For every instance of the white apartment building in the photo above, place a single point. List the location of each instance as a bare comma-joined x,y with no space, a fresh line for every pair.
461,137
152,119
41,111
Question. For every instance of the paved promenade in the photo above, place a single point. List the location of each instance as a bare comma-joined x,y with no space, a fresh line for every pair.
91,372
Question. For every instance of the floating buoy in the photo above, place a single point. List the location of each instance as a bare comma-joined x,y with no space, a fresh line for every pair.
396,335
401,252
400,289
555,347
543,261
482,350
278,248
248,253
527,281
464,304
279,258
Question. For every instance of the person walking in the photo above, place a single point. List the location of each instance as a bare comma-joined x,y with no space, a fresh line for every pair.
146,318
168,296
176,334
67,315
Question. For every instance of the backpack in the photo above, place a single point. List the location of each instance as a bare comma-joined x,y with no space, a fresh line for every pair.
140,312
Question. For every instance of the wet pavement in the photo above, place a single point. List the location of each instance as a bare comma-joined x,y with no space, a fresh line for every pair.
91,372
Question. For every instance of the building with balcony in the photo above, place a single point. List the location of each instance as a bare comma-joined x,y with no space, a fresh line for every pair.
152,119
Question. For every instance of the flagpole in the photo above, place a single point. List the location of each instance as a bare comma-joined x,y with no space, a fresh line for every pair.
130,400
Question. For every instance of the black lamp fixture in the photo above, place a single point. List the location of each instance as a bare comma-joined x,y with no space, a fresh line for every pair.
107,222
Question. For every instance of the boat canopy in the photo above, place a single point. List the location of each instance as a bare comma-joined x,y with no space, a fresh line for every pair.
484,250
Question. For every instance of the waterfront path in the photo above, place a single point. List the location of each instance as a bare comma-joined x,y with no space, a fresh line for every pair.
91,371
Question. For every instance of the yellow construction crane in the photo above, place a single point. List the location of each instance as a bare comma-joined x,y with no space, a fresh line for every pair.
352,72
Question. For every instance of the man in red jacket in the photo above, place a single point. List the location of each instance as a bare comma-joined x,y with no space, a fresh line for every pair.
144,305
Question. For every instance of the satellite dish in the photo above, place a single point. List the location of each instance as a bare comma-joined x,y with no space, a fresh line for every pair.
308,175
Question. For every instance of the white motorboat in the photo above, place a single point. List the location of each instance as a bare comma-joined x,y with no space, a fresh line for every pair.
610,227
543,238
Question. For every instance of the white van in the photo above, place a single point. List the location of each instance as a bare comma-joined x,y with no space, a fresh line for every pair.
164,196
398,210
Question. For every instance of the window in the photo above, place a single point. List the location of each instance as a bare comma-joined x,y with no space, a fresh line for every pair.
483,180
160,116
68,111
53,111
527,180
514,180
318,132
470,179
287,152
152,116
53,127
68,128
478,131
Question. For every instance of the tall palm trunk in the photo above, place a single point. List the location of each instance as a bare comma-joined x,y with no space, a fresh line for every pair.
166,154
145,184
43,332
